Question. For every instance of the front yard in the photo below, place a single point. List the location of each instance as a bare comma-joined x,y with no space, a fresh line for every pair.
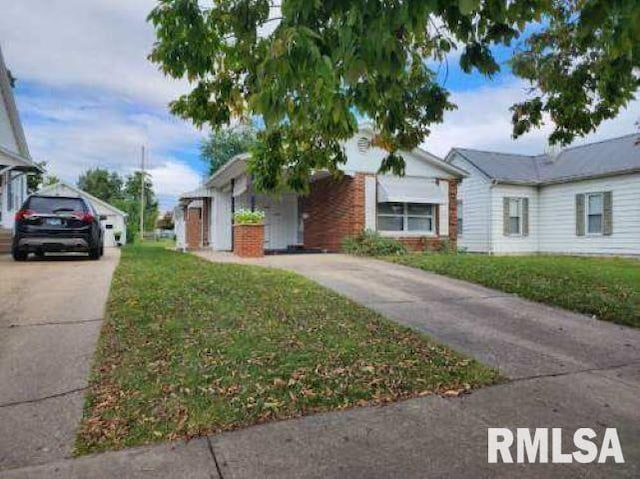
608,288
190,347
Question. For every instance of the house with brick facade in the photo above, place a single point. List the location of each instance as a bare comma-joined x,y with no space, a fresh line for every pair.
418,209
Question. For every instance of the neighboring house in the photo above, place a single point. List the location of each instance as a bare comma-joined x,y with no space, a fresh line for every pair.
15,160
582,200
115,220
416,209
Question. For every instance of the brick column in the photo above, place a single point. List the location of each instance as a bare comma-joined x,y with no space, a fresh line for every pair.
453,213
248,241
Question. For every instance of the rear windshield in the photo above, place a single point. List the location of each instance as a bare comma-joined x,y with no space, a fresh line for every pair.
52,205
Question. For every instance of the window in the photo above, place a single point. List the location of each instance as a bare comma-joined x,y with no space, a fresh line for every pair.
411,217
594,212
53,204
460,216
515,216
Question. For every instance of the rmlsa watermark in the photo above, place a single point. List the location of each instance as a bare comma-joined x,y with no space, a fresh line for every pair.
544,445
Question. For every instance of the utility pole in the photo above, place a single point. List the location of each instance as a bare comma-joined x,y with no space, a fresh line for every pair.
142,195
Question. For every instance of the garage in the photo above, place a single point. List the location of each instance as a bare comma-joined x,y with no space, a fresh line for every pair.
115,222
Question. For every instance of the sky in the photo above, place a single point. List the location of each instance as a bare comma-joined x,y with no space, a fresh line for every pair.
88,97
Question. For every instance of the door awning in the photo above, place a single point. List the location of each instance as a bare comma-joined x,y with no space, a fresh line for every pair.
409,189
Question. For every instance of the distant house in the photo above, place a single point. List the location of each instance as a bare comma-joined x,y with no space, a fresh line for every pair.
15,160
415,209
114,222
583,200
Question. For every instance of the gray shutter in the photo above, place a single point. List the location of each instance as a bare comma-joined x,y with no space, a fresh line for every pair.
505,216
525,216
580,215
607,217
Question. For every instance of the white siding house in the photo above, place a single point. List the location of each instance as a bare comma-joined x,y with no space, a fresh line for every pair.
15,160
584,200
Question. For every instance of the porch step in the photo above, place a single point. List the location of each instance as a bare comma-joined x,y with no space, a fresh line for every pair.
5,241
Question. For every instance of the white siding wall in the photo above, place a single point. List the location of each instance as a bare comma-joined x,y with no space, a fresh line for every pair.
513,244
474,192
180,227
221,220
370,203
444,209
558,222
369,161
7,137
18,190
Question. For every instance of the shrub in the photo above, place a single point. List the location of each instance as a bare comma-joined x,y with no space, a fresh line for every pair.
371,243
247,217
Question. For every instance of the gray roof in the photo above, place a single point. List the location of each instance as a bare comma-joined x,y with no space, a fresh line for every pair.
604,158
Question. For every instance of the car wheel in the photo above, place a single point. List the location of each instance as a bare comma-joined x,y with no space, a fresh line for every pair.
94,253
19,255
102,250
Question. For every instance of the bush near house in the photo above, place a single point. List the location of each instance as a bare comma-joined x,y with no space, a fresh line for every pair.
371,243
190,347
607,288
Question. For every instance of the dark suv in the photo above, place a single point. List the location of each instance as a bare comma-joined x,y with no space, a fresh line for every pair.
57,223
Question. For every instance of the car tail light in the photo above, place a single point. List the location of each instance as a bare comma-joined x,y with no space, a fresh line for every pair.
24,214
83,216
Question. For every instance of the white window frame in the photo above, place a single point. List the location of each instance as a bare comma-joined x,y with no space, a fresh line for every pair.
586,213
405,220
520,216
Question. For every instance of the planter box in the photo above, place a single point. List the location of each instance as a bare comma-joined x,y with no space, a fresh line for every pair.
248,241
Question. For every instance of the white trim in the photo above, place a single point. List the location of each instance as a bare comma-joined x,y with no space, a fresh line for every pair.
405,219
586,213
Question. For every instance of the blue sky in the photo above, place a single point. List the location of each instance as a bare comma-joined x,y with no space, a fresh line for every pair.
88,96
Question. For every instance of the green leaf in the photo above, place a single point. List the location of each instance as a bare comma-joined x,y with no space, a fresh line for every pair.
468,6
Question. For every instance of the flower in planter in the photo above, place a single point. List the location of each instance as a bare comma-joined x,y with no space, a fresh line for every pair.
247,217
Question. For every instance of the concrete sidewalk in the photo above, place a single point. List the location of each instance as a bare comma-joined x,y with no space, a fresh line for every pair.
568,371
50,316
426,437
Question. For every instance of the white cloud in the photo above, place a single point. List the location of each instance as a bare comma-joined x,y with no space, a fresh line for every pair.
76,133
483,121
96,43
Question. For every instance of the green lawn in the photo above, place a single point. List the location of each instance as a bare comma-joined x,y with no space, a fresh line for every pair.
608,288
190,347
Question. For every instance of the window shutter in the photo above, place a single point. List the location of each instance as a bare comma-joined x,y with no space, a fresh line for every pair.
505,216
525,216
607,216
580,215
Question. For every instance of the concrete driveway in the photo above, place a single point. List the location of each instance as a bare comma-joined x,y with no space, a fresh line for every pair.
567,370
50,316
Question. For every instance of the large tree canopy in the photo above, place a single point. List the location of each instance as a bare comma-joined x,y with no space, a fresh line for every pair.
308,68
101,183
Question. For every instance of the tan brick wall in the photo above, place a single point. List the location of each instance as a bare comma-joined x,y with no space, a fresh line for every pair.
336,209
206,214
248,240
193,229
422,243
333,209
453,213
